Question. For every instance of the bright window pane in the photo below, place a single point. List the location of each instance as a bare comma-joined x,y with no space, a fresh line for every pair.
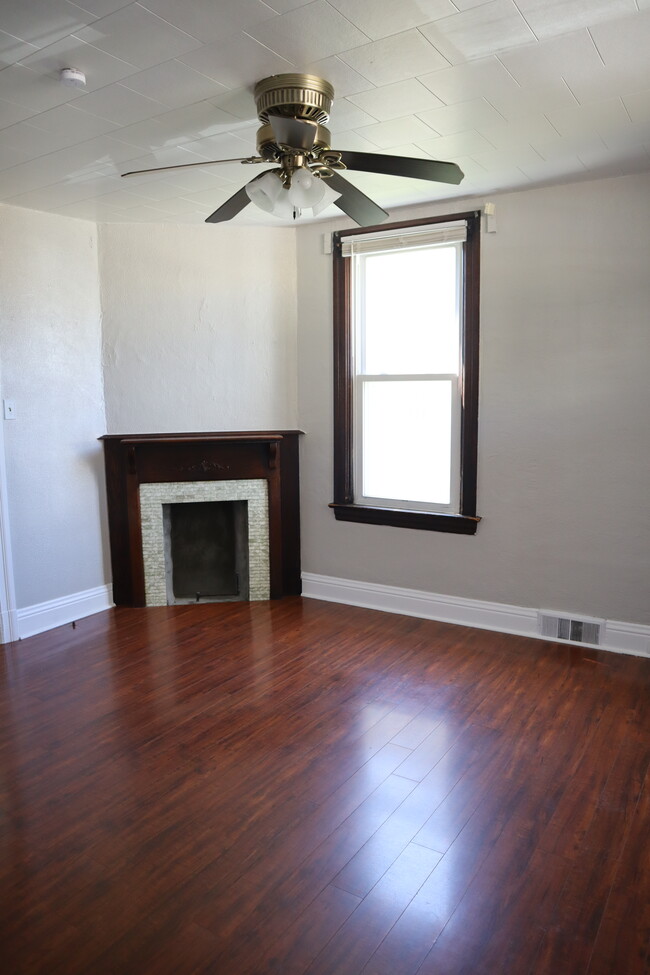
411,311
407,440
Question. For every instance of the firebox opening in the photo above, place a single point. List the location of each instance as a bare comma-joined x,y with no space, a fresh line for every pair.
206,551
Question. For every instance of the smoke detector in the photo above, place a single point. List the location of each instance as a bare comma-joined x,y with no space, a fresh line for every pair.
72,78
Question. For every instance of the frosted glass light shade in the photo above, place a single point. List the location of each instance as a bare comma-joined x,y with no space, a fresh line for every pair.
264,192
306,190
328,197
284,208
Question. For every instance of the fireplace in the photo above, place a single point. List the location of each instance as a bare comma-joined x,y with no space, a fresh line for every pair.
203,516
206,548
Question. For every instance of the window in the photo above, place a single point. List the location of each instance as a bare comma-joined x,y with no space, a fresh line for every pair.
406,373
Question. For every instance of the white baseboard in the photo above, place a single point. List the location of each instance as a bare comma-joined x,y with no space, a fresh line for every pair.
619,637
8,626
58,612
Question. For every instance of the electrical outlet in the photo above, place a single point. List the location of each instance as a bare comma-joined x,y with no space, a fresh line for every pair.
9,408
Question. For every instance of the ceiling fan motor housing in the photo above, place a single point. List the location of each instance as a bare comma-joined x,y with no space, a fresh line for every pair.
296,96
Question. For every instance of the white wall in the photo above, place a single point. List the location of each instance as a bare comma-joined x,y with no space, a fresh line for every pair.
50,345
564,431
199,327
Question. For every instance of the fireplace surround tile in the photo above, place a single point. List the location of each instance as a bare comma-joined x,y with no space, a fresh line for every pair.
154,496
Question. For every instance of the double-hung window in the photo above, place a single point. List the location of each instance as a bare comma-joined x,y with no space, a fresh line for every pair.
406,373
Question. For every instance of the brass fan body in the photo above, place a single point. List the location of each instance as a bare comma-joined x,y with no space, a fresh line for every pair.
302,98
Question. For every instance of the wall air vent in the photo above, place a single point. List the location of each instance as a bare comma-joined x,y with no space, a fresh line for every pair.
575,630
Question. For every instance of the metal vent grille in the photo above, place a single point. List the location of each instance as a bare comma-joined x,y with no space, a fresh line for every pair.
565,628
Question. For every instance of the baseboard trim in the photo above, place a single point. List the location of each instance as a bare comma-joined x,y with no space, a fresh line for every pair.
57,612
619,637
8,625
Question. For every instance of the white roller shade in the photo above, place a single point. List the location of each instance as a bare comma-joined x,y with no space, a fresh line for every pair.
388,240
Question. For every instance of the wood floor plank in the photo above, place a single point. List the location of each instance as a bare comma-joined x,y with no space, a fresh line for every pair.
418,928
364,930
362,872
272,897
295,786
302,941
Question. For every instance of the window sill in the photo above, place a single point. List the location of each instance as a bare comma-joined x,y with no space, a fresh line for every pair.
401,518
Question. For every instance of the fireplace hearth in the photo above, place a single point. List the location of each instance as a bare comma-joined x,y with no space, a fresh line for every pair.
236,492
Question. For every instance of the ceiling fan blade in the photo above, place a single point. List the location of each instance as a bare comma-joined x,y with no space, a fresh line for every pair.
356,204
294,132
207,162
234,205
374,162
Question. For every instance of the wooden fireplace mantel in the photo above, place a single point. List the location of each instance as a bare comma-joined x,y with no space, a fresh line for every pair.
134,459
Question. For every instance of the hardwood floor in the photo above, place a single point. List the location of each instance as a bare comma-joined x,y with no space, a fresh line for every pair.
301,787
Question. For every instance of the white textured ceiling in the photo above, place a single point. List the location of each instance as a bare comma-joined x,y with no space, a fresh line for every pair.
517,92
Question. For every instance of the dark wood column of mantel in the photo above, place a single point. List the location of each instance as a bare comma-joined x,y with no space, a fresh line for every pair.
134,459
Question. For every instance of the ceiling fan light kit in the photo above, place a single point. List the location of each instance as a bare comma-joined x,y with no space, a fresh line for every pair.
294,110
305,191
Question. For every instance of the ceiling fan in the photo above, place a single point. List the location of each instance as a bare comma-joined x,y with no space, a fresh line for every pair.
294,110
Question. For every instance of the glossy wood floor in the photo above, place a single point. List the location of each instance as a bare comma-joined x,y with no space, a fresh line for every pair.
301,787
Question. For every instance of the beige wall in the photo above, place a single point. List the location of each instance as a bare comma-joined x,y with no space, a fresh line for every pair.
50,351
564,477
199,327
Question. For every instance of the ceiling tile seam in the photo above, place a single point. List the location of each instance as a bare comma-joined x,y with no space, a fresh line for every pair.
76,145
625,109
523,17
36,50
152,13
348,99
44,50
525,175
62,182
431,44
22,41
424,122
538,153
487,100
96,17
345,64
118,84
70,103
593,41
347,20
245,33
507,70
34,114
272,9
160,64
570,90
351,50
30,124
33,123
554,127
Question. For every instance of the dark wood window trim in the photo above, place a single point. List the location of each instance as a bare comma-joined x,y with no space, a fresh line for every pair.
343,505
